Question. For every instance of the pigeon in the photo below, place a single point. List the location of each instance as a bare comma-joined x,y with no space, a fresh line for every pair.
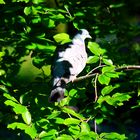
70,60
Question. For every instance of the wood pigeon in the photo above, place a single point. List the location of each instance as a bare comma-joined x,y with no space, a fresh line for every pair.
69,62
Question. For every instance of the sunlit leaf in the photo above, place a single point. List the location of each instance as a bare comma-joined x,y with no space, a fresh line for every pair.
72,112
27,10
93,59
62,38
118,98
64,137
2,2
103,79
112,74
106,90
112,136
79,14
54,114
99,120
59,121
3,89
30,130
108,69
107,61
48,135
95,48
26,117
117,5
8,96
85,127
69,121
72,92
74,130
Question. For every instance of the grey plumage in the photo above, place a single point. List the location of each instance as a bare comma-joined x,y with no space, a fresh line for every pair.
69,62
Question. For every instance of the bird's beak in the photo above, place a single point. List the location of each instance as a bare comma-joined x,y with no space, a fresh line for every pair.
89,37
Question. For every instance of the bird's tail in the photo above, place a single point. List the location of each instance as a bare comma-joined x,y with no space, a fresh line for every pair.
57,93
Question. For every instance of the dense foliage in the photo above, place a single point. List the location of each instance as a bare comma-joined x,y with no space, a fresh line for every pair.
102,103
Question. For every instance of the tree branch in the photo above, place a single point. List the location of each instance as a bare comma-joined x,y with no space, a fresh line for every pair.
91,74
100,66
84,77
133,67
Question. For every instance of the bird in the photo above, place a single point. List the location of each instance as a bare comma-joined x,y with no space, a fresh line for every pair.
69,61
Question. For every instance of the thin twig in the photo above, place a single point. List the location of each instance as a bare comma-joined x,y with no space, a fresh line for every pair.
68,11
95,126
84,77
100,66
96,97
95,87
91,74
133,67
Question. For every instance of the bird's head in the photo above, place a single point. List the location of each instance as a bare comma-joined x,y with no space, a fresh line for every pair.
81,36
84,34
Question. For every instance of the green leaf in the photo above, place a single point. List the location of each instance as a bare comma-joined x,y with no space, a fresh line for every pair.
21,19
112,74
79,14
36,19
93,59
30,130
107,61
108,69
51,23
2,54
74,130
38,62
102,99
59,121
27,10
106,90
72,112
26,117
95,48
62,38
48,135
8,96
112,136
57,17
118,98
64,137
93,135
3,89
37,1
85,127
99,120
54,114
19,109
26,1
103,79
15,125
43,123
10,103
2,72
118,5
84,136
2,2
72,92
69,121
